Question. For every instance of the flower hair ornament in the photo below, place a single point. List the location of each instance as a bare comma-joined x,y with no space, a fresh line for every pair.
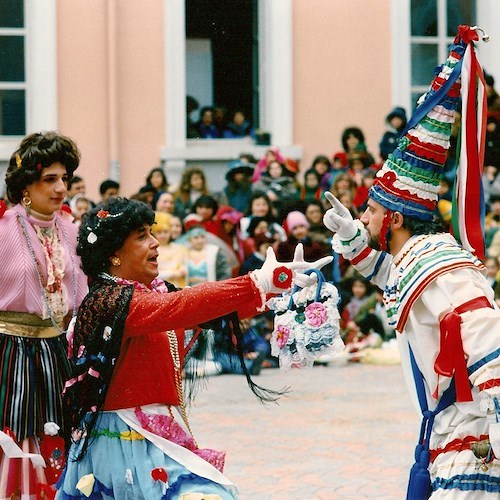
101,216
19,161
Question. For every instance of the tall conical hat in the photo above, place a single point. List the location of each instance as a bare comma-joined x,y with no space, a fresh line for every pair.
409,180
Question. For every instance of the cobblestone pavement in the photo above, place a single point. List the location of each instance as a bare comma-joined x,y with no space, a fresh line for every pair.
345,431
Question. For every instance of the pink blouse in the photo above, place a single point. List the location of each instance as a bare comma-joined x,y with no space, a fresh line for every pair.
19,281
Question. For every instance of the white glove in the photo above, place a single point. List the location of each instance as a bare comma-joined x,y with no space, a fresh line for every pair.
302,280
276,277
339,220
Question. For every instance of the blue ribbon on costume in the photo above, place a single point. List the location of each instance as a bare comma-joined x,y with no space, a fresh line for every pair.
419,483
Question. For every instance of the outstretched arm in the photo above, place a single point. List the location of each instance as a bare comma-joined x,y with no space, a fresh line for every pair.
151,312
351,240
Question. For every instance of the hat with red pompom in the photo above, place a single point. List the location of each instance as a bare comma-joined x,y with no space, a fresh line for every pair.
409,180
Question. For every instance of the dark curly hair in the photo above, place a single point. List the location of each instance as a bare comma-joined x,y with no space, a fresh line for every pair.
36,152
417,226
111,223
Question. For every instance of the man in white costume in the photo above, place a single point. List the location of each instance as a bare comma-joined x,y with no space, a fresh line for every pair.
435,291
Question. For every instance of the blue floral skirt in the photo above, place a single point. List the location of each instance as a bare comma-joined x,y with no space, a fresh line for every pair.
121,463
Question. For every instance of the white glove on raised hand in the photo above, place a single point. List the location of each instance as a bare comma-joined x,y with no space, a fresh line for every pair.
339,220
276,277
301,279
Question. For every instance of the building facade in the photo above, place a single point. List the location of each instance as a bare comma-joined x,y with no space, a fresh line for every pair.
114,74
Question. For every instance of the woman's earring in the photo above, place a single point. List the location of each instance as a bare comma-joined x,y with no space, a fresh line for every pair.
26,202
115,261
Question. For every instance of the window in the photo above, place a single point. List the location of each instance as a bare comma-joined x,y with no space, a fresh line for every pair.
273,22
433,27
12,68
221,55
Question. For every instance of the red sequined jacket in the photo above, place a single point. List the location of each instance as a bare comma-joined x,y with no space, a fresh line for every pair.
144,371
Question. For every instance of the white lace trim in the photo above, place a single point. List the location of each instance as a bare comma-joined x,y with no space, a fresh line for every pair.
261,291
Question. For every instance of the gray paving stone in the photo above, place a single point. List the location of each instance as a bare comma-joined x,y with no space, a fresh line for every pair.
343,432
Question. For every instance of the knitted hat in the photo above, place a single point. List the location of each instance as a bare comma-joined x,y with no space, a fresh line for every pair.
409,180
399,112
238,166
294,219
228,213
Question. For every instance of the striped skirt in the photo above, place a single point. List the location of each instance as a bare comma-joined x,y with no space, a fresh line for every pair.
32,376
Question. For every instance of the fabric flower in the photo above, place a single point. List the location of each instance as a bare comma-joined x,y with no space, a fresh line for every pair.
107,333
102,214
282,336
282,277
3,208
300,317
51,428
316,314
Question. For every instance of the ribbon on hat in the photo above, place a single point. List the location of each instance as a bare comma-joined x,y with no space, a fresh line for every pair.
468,197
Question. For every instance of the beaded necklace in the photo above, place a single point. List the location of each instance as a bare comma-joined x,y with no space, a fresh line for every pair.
45,298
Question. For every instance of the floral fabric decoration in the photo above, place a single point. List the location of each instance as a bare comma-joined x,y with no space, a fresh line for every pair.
316,314
282,277
3,208
306,325
282,335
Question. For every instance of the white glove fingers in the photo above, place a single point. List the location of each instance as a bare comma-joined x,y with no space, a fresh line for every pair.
339,207
321,262
298,255
329,196
302,280
270,255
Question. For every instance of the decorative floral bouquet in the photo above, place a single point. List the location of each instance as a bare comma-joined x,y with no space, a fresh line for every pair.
306,324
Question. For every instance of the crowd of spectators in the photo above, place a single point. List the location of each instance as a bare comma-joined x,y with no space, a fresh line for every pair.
206,235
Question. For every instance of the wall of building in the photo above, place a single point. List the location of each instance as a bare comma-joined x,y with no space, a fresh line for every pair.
111,90
341,72
111,80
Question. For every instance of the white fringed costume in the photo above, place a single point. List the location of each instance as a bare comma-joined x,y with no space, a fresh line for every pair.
431,276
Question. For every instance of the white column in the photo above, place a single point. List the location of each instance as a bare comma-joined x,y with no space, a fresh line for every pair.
400,54
175,73
41,65
275,70
112,85
175,83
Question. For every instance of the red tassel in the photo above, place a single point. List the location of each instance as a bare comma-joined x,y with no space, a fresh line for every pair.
384,230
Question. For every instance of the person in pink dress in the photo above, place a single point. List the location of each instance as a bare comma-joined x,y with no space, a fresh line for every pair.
42,287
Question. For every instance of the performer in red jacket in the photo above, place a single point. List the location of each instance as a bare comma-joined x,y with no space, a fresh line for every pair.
129,347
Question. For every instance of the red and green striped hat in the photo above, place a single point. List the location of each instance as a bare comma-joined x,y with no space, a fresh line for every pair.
409,180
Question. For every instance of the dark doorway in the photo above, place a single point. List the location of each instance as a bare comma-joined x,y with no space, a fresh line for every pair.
231,25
